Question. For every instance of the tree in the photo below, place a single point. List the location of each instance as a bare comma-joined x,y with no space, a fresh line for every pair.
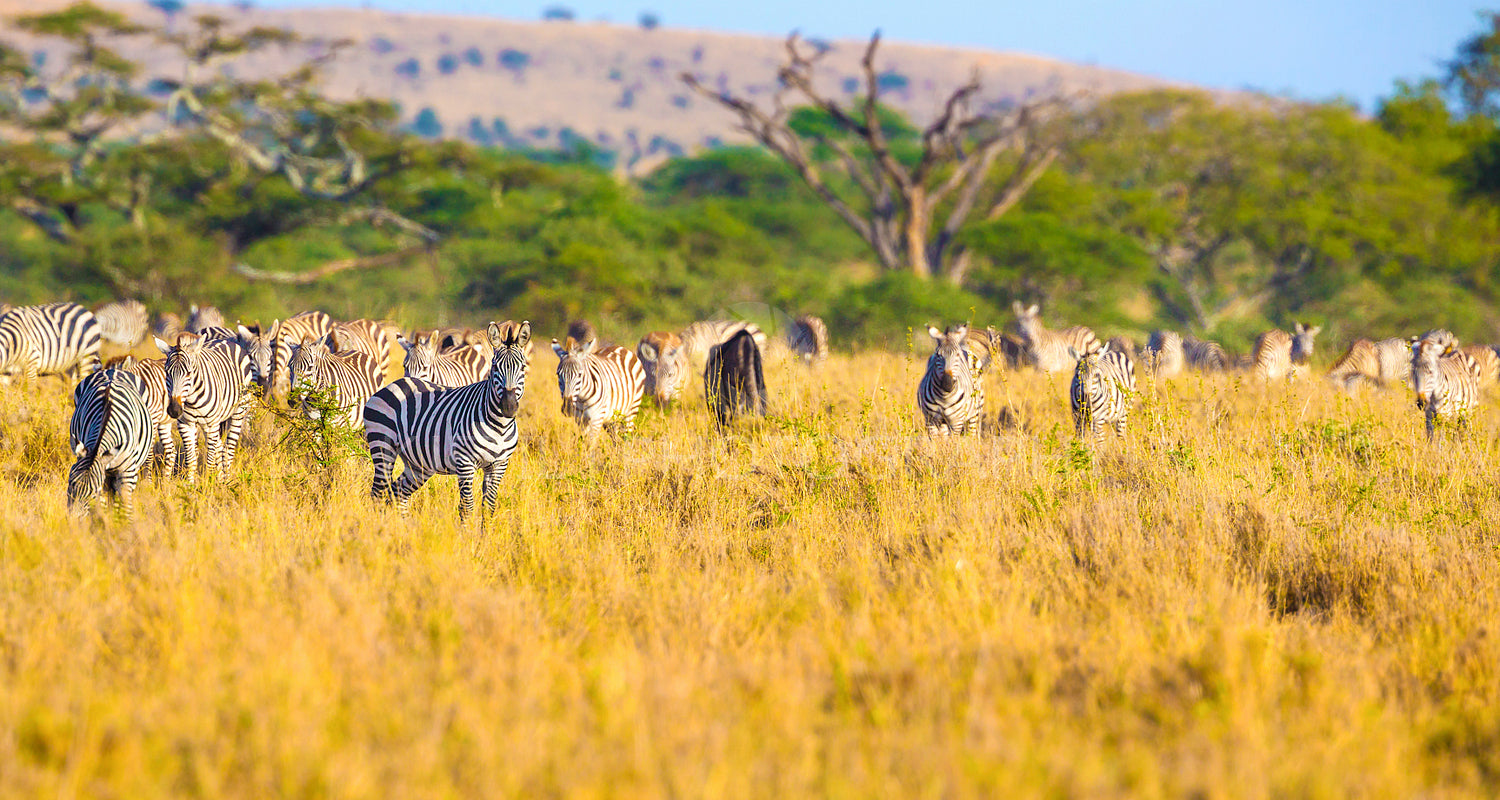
1474,72
909,207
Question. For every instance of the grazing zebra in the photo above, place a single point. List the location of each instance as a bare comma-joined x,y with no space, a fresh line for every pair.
203,317
153,374
951,394
1381,363
808,337
111,436
452,368
49,339
206,385
442,431
1102,391
1486,361
1048,349
599,386
1164,354
700,336
665,360
1278,354
352,376
166,326
1446,385
364,336
734,379
123,322
1205,356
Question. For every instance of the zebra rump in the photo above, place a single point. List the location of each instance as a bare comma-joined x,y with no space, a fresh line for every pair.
49,339
807,337
123,322
111,436
734,380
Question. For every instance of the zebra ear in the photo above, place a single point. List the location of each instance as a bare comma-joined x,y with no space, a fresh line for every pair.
1072,352
1033,310
1017,308
162,346
647,351
1314,330
585,348
558,349
1297,327
936,334
960,331
244,332
496,335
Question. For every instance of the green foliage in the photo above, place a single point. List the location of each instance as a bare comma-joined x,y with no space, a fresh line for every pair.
887,310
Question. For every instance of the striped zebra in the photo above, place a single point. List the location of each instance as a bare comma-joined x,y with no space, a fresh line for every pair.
270,350
700,336
1486,361
1445,381
123,323
1277,354
1381,363
206,386
452,368
807,337
599,386
364,336
49,339
1006,349
1164,355
352,377
665,360
951,394
200,317
166,326
1048,349
111,435
1205,356
1102,391
153,374
442,431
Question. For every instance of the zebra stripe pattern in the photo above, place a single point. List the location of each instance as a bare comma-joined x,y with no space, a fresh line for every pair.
665,360
1381,363
153,374
808,337
1205,356
1164,354
111,436
451,369
599,387
364,336
123,322
950,394
49,339
1277,353
441,431
206,386
1049,350
203,317
1102,391
700,336
166,326
350,378
1445,381
1486,361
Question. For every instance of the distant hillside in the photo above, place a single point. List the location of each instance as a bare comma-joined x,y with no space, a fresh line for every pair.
544,83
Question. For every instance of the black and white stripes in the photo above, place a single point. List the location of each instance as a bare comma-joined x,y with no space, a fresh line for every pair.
350,378
206,386
951,394
111,435
1446,381
1102,392
599,387
49,339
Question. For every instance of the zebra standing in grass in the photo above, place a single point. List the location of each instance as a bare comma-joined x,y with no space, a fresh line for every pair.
951,393
808,337
1164,355
599,386
153,375
353,376
49,339
200,317
665,360
1048,349
111,436
1102,391
1205,356
700,336
1445,381
123,323
206,385
441,431
1278,354
453,368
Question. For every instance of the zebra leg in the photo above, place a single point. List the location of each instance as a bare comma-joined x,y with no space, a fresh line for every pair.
232,428
406,485
1431,420
125,494
492,478
189,433
168,449
465,475
1120,427
1098,433
213,444
383,456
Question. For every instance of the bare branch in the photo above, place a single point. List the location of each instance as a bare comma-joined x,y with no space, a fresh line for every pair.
329,268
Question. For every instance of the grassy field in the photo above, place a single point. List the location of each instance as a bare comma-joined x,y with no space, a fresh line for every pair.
1262,592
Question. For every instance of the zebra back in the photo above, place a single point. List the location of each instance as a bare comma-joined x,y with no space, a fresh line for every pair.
951,394
665,360
364,336
111,434
599,386
49,339
1049,350
203,317
451,368
123,322
1205,356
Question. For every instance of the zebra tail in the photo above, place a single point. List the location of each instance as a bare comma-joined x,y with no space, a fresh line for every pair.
759,389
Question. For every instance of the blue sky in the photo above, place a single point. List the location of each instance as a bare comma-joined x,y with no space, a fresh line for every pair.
1312,49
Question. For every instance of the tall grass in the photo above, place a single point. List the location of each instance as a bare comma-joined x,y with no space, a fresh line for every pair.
1262,591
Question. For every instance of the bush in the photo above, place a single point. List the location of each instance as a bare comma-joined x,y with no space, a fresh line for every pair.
885,311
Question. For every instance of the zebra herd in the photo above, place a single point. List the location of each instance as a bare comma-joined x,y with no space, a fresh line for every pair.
1447,378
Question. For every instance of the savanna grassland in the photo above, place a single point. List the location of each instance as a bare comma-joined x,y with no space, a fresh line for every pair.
1262,592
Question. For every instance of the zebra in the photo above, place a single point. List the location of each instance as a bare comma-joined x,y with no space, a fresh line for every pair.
734,378
364,336
951,393
1205,356
461,431
1487,362
451,369
1381,363
1007,349
1124,344
153,374
807,337
123,322
111,436
270,350
166,326
206,385
352,376
49,339
1101,392
1278,354
665,360
1048,349
1445,382
203,317
1164,354
700,336
599,386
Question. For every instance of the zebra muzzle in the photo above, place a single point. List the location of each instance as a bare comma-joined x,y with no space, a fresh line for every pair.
174,407
510,402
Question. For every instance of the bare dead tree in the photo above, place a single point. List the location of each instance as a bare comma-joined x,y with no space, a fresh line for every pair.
910,211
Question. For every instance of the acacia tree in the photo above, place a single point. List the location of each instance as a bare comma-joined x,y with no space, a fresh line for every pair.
909,207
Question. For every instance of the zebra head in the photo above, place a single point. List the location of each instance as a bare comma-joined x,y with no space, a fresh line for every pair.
571,372
953,364
183,359
420,354
1302,342
1088,363
1028,319
260,347
1426,351
663,361
509,341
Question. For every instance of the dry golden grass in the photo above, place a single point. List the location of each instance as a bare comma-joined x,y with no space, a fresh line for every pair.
1262,592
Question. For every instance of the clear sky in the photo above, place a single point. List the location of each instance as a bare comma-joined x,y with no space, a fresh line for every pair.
1309,49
